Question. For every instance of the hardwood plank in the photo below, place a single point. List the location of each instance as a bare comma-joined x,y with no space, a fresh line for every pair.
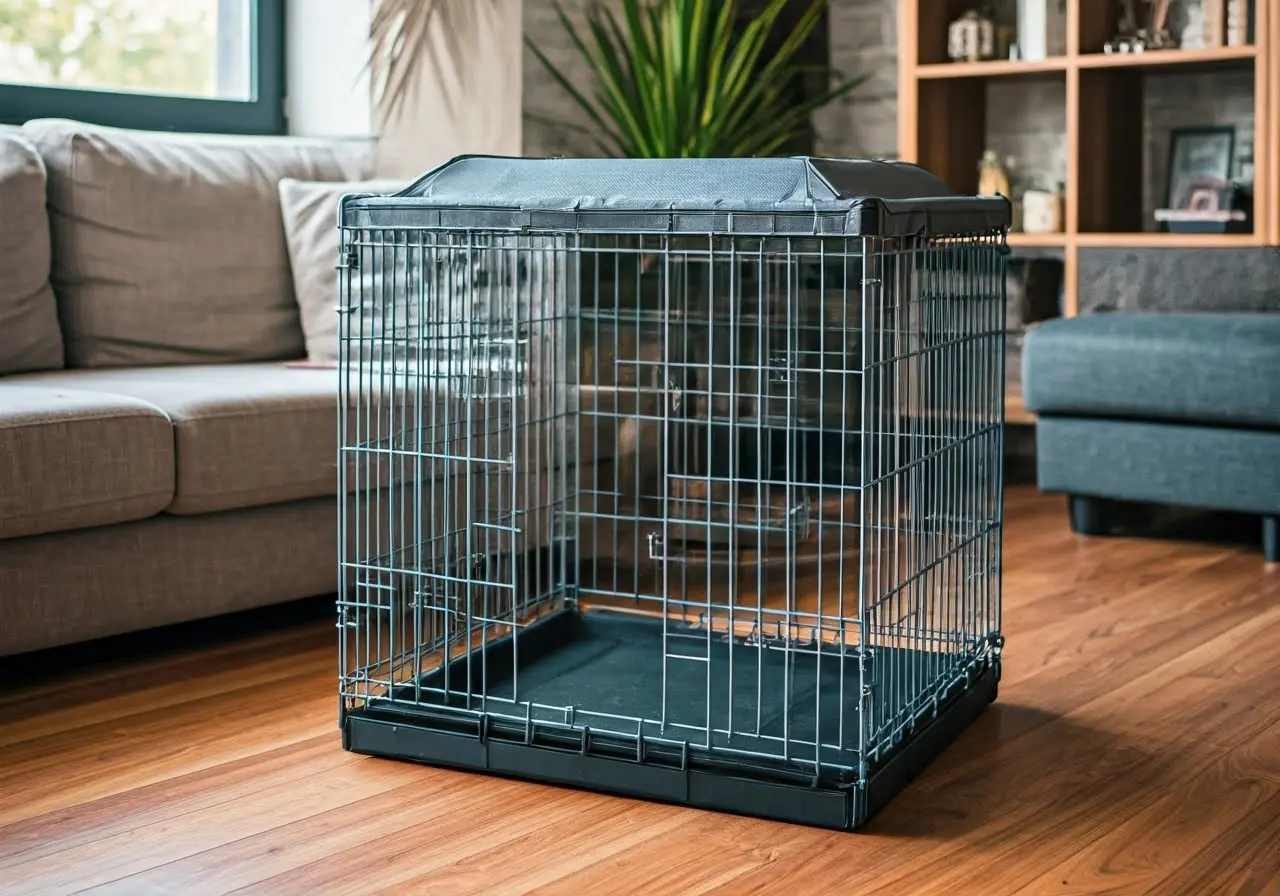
1135,857
113,698
1243,860
166,800
528,845
74,767
1105,768
111,858
1135,748
127,677
253,856
738,845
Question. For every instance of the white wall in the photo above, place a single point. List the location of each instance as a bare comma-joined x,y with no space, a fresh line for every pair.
479,110
326,42
486,111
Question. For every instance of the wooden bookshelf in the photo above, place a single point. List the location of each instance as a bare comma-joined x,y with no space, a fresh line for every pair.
942,125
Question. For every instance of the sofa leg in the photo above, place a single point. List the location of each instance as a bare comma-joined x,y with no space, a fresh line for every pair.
1271,539
1088,515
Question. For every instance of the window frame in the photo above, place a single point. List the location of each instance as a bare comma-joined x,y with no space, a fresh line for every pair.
264,115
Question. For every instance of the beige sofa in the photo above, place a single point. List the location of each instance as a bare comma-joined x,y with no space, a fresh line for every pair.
159,460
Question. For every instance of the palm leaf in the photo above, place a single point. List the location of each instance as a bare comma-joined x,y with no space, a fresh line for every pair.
404,33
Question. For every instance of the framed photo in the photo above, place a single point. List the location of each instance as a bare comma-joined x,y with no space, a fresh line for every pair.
1197,156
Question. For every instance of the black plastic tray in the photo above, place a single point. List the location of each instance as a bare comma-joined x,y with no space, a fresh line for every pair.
611,662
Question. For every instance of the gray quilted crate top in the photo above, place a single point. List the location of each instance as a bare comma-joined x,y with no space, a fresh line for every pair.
855,197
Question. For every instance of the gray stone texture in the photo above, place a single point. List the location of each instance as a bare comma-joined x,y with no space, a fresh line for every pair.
864,41
1179,280
547,107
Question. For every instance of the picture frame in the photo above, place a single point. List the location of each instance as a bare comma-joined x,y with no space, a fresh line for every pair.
1197,154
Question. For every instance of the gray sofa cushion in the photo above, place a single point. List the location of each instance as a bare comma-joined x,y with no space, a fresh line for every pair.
1192,367
169,248
1208,467
93,583
244,434
71,459
29,335
310,212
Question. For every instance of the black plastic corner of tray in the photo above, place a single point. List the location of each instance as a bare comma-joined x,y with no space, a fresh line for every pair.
414,738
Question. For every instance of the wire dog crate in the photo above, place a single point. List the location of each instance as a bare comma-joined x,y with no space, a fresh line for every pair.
678,479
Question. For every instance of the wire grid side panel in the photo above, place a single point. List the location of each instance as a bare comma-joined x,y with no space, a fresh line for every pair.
455,426
723,377
932,481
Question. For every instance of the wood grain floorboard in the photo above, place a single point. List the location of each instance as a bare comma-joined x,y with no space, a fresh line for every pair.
1135,748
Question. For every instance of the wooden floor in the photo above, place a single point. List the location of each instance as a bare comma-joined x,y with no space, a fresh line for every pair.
1135,748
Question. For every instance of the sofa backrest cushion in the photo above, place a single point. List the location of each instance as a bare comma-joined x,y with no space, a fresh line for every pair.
29,335
310,211
169,248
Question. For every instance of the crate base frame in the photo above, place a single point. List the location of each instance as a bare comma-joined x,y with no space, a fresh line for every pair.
435,735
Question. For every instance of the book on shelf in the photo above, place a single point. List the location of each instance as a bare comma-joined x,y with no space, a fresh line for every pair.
1214,16
1237,24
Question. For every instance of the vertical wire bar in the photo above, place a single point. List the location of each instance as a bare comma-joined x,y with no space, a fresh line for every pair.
866,698
385,561
820,422
452,320
440,502
762,410
664,387
736,361
387,467
847,364
997,464
705,424
470,467
790,375
416,297
345,510
507,507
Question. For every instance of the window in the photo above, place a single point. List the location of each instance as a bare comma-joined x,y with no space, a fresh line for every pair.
215,66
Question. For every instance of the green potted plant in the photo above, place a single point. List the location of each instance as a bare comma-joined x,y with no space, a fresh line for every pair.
691,78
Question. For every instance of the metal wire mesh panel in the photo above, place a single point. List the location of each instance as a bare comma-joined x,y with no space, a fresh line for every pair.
658,502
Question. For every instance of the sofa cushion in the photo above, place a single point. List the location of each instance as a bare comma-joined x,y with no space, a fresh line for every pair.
169,248
71,459
244,434
310,212
30,338
1190,367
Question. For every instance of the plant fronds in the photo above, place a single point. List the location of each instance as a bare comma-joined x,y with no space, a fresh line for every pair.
671,78
406,33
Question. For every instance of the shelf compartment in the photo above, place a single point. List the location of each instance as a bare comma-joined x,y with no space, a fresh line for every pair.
1127,115
957,119
1110,151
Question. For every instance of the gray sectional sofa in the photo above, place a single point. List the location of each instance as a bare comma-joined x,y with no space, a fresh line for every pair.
1180,409
162,459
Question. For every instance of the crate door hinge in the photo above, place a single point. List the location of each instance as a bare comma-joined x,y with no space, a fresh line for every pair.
657,550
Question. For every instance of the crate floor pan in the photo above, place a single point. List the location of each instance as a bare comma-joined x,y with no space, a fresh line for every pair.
609,665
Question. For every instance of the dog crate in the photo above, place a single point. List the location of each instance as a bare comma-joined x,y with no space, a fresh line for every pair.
677,479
